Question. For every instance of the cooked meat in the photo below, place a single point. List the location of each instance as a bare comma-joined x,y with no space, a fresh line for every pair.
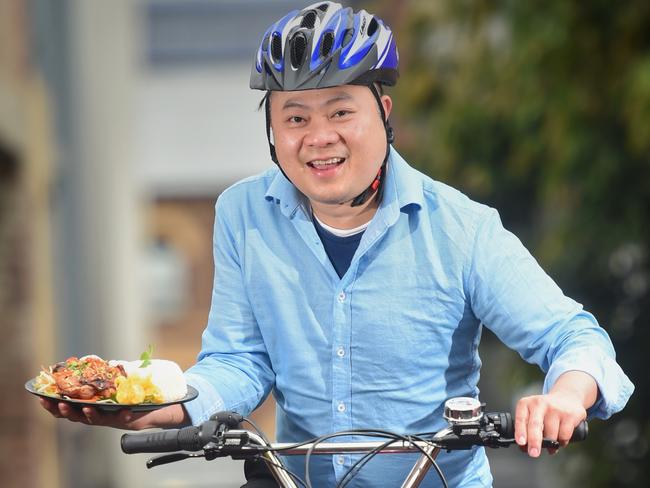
89,378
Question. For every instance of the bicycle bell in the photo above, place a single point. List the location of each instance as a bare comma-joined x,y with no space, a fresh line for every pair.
462,410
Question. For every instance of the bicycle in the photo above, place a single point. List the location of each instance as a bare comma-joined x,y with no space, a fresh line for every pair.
220,436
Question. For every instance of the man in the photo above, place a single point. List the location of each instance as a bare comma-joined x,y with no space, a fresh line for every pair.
355,288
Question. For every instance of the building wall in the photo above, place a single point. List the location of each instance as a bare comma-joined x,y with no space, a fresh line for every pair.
25,265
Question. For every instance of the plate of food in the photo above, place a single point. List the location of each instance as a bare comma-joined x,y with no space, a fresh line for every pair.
140,386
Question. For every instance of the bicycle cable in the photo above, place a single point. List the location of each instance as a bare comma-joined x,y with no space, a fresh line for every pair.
433,462
293,475
366,457
269,447
361,462
332,436
372,433
257,430
404,438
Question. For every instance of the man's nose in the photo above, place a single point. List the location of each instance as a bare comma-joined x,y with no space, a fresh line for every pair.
321,133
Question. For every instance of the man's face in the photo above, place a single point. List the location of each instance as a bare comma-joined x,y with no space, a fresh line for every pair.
330,142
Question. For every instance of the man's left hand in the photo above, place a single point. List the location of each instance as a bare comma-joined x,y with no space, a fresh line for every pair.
556,414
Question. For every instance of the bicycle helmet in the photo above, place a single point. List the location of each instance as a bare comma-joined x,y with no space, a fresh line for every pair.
322,46
325,45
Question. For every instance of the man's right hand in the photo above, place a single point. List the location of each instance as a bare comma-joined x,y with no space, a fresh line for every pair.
167,417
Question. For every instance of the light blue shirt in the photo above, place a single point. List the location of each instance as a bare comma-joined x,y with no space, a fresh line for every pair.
387,344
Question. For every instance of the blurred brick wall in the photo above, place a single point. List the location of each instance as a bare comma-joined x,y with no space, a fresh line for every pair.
17,442
28,455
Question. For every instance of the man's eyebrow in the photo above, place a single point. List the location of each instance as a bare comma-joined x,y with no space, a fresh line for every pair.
292,103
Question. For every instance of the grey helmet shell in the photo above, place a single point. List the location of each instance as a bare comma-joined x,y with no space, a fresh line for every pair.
325,45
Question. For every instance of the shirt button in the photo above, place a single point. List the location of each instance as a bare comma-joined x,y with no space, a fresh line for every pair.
341,297
341,407
340,352
340,460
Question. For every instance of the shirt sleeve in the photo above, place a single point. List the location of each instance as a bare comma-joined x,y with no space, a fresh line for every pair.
512,296
233,370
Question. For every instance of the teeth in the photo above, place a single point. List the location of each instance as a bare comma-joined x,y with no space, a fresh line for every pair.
322,163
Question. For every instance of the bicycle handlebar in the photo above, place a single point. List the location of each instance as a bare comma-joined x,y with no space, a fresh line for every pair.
461,436
184,439
220,436
581,432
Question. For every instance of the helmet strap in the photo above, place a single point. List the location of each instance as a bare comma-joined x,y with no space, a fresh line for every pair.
377,183
267,116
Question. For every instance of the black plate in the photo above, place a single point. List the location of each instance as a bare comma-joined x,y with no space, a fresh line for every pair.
112,407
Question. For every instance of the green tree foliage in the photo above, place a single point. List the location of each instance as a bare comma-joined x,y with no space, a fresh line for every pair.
542,110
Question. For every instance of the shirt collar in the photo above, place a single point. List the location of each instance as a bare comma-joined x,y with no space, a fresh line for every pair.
283,192
402,188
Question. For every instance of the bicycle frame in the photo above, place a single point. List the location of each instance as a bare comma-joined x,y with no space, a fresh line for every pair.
275,465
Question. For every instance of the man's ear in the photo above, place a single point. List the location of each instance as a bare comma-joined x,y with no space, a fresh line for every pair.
387,103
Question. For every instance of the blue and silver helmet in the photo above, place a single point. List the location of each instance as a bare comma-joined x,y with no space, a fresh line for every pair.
325,45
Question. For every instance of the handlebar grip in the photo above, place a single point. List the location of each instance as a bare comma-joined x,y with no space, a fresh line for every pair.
505,425
185,439
580,432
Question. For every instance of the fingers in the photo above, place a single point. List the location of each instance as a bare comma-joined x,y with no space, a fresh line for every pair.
50,406
550,416
87,415
62,410
565,432
120,419
532,425
535,430
521,423
551,428
92,416
73,414
560,430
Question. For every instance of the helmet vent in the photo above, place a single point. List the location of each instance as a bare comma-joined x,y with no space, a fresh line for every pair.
347,37
298,46
328,42
309,20
276,46
372,27
323,7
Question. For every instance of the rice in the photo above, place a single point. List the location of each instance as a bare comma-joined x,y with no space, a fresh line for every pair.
165,374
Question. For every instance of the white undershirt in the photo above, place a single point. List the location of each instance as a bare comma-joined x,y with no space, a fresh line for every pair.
342,232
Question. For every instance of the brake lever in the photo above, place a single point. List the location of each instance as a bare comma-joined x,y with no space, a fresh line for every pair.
546,443
171,458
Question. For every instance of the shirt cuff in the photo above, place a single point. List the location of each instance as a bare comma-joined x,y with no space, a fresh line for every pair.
614,387
206,404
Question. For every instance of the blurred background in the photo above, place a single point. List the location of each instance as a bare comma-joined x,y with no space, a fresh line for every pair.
122,121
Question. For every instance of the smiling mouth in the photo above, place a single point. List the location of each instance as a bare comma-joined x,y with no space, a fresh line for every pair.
325,163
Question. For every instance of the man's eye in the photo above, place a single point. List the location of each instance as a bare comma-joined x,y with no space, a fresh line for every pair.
296,119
